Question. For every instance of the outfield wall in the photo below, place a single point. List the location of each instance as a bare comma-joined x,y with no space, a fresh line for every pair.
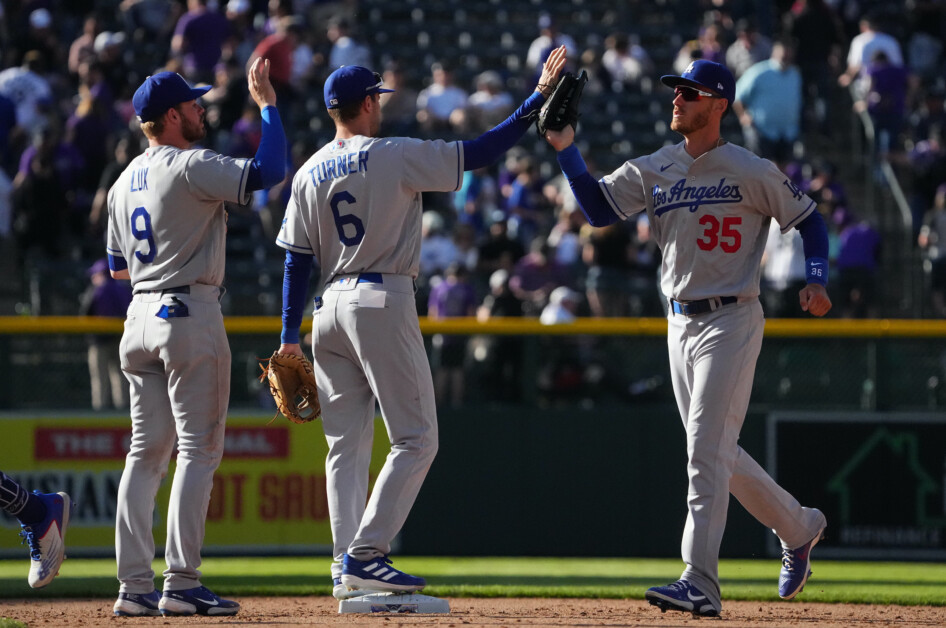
581,452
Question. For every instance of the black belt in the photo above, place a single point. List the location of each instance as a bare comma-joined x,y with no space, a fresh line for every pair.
693,308
174,290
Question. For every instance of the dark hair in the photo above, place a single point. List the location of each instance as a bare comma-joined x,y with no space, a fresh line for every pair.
347,113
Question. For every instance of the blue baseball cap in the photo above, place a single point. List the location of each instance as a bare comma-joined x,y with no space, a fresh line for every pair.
705,75
162,91
351,83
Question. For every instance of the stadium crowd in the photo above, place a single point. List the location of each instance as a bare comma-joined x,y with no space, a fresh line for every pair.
510,242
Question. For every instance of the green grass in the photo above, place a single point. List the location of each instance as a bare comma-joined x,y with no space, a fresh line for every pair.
6,622
833,581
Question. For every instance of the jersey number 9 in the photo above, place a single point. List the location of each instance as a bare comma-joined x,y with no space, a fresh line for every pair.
141,215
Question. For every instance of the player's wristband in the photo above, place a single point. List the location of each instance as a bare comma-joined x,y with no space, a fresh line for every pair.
816,270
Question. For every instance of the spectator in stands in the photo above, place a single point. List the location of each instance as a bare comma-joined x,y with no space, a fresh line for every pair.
499,251
857,263
783,272
861,51
399,108
437,250
90,126
768,103
535,276
500,354
750,47
40,205
225,102
41,36
125,149
10,135
927,164
199,38
440,104
818,36
550,38
6,209
83,46
526,205
279,48
561,308
244,35
932,241
453,296
930,116
477,200
625,59
105,297
110,61
924,47
885,102
346,50
30,91
606,253
565,239
645,296
489,105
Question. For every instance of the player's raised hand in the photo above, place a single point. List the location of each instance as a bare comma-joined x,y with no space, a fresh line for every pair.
551,69
560,140
814,299
257,79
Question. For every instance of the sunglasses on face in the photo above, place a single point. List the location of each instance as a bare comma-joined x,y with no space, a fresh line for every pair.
378,84
691,94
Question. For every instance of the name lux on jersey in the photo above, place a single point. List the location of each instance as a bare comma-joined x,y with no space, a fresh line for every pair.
692,196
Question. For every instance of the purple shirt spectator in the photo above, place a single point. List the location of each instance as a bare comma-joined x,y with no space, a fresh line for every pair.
859,247
200,36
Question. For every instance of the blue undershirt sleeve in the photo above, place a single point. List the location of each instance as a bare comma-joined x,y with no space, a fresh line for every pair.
295,283
814,238
269,165
586,189
489,146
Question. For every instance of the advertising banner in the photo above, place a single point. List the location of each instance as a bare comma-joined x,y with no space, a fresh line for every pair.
268,495
879,478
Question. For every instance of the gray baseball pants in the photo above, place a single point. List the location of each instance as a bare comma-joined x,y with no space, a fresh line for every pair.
712,364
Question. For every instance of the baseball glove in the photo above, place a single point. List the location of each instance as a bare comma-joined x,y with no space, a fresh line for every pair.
292,383
561,108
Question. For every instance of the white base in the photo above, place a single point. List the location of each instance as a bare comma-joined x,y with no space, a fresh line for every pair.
376,602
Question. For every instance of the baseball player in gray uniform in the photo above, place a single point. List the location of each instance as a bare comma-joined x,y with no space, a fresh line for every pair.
166,233
355,209
710,204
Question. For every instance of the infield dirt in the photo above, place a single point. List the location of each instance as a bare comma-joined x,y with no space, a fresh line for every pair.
464,612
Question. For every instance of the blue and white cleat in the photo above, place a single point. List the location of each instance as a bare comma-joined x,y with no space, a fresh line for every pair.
47,539
681,596
796,568
196,601
377,574
137,604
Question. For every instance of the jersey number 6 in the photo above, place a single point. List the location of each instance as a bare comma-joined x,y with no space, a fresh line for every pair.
725,236
347,219
143,233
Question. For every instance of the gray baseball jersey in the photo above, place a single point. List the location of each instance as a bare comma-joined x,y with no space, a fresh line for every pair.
351,185
711,217
167,221
356,207
166,216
